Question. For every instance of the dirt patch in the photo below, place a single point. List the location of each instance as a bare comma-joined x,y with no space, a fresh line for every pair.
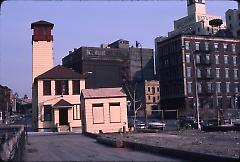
226,144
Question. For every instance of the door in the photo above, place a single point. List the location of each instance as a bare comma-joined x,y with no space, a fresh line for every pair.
63,116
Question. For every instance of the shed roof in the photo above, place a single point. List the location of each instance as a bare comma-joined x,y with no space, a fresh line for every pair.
103,93
60,72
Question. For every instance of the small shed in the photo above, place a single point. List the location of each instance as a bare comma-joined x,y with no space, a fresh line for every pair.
104,110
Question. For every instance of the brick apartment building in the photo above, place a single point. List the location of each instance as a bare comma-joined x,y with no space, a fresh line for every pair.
6,97
199,70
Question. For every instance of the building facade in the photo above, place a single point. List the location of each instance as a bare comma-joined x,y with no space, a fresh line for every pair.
117,62
57,100
199,71
197,20
104,110
6,101
233,20
152,97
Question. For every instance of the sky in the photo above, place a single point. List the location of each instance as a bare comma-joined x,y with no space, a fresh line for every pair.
83,23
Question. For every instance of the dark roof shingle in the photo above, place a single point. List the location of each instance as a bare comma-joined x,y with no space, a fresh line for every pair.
60,72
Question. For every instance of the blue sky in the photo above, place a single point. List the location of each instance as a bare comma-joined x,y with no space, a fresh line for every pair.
83,23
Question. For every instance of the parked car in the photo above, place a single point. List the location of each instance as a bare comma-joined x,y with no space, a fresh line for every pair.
140,124
188,122
154,124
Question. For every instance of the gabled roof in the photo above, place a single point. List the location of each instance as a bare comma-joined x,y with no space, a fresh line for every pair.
103,93
62,104
60,72
41,23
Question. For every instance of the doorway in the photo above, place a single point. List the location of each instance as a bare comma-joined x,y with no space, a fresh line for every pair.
63,116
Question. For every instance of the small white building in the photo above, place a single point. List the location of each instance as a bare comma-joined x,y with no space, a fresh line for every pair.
104,110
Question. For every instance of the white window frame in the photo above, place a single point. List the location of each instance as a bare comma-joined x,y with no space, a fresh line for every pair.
226,72
217,71
188,58
235,73
218,87
187,45
227,87
197,46
234,59
217,59
189,72
225,59
189,87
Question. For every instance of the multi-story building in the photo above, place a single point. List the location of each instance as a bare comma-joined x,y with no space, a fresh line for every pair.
6,100
197,20
233,20
56,90
111,64
57,94
201,71
152,97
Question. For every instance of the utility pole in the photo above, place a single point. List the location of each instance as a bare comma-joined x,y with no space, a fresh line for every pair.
196,92
143,83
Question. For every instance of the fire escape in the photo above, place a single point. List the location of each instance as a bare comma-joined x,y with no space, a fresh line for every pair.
205,78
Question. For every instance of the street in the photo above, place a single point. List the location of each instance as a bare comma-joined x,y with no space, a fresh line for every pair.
76,147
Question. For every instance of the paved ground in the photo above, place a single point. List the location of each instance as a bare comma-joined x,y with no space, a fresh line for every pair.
225,144
80,148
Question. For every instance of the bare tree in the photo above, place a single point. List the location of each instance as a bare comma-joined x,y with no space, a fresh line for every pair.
131,91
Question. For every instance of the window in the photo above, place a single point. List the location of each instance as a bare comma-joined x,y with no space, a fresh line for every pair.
225,59
115,112
226,73
227,87
76,87
187,45
197,46
229,17
206,46
149,98
189,72
218,87
46,87
216,46
98,113
189,87
148,89
76,112
236,88
47,112
217,59
217,73
209,86
234,60
208,72
154,100
207,58
235,73
225,47
199,87
153,90
158,98
61,87
198,58
158,89
234,48
188,59
198,73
